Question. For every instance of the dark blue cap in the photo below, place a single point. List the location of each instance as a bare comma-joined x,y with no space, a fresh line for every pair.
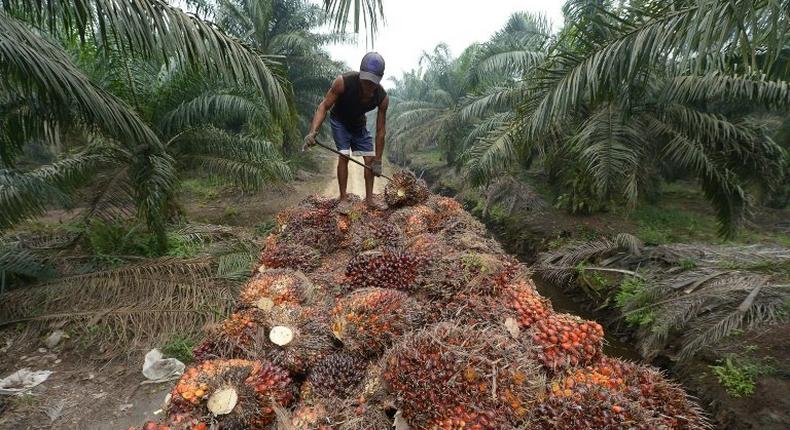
372,67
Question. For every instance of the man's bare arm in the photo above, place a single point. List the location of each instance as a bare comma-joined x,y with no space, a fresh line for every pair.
381,127
334,92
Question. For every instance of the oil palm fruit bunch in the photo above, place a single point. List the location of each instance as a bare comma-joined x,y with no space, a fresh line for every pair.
608,373
447,366
467,308
275,287
318,227
280,254
413,220
309,416
233,338
567,341
446,211
428,246
529,306
368,320
372,234
589,407
668,402
295,338
462,418
236,394
317,201
489,274
405,189
337,375
389,268
182,422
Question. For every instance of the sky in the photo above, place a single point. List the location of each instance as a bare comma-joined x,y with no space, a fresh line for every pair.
414,26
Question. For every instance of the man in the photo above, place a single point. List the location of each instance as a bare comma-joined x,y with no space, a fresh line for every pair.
351,96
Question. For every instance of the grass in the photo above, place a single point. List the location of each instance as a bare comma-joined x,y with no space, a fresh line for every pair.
427,159
669,223
739,375
180,347
203,188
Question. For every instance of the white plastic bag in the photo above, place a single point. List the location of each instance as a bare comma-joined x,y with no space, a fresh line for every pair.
23,380
156,368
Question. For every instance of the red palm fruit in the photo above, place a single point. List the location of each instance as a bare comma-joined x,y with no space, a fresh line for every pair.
371,234
405,189
256,387
437,370
275,287
529,306
593,407
368,320
317,227
390,268
558,337
337,375
279,254
666,401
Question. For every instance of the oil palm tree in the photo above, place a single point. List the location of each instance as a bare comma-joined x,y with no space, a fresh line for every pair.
626,89
290,31
46,90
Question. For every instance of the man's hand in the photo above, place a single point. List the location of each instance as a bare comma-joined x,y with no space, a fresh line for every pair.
375,165
309,140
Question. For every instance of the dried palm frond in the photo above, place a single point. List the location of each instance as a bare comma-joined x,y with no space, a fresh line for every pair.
707,305
140,304
560,267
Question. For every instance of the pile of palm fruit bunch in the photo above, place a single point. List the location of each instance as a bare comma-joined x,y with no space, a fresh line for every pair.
408,317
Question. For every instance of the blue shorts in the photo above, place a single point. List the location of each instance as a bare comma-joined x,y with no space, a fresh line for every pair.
352,141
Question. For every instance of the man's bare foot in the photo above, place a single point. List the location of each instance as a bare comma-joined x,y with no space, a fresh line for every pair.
344,206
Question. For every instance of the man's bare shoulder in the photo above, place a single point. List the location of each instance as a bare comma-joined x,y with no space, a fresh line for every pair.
338,86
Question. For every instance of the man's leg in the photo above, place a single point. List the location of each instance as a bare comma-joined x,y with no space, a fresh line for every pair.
342,175
369,178
342,139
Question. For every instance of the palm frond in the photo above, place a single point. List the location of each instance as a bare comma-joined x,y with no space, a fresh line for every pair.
155,29
35,66
245,161
365,12
491,156
610,147
717,86
494,99
210,108
26,194
667,40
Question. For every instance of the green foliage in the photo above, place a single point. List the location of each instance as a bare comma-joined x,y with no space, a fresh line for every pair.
687,264
205,189
120,239
738,375
618,100
633,293
668,224
580,197
180,347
